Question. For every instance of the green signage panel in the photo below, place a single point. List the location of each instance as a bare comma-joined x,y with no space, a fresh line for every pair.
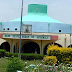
17,36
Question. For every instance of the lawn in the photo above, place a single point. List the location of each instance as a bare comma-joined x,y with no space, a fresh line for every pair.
4,61
38,65
3,64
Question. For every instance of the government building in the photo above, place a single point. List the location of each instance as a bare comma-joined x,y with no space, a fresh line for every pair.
38,31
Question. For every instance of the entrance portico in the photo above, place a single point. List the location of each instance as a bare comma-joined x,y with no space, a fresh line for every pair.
35,42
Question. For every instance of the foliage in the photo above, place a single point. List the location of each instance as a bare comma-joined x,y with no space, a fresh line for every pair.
50,60
3,64
2,52
39,67
14,64
62,54
32,56
26,56
48,68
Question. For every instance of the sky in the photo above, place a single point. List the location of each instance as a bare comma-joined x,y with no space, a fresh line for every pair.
58,9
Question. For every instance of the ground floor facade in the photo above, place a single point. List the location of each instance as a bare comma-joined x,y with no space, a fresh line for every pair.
33,43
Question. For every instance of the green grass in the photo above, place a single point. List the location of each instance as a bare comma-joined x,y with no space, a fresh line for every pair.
4,62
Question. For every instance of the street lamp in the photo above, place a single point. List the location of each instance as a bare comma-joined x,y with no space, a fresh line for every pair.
19,55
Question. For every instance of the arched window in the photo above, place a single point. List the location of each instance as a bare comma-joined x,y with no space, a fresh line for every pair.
5,46
31,47
69,46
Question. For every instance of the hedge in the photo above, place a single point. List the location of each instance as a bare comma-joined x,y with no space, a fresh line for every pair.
26,56
2,52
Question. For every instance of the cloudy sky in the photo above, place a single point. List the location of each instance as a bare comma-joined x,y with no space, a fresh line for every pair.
57,9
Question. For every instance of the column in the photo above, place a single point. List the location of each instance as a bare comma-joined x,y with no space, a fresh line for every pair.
41,48
65,42
16,48
11,50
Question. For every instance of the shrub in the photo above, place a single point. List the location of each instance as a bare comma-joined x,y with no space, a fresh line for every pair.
26,56
62,54
50,60
70,62
32,56
8,54
14,64
2,52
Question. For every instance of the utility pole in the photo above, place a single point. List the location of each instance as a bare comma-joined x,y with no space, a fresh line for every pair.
19,55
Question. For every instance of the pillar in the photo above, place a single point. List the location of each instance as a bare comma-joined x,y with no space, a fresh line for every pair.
41,48
16,48
65,42
11,46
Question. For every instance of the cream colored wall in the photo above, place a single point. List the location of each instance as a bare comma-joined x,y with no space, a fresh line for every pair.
44,43
61,40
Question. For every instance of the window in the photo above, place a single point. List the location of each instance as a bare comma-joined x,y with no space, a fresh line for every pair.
7,28
59,30
15,28
4,29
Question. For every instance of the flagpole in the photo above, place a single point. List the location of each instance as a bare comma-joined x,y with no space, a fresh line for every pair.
19,55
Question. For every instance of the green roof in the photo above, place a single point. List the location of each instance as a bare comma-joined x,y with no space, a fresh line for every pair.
37,13
0,22
37,8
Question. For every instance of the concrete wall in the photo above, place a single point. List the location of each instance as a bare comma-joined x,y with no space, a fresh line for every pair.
43,27
11,26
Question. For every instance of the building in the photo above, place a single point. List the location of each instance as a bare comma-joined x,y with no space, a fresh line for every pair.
38,31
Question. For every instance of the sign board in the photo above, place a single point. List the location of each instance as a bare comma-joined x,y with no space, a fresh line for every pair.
17,36
26,28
